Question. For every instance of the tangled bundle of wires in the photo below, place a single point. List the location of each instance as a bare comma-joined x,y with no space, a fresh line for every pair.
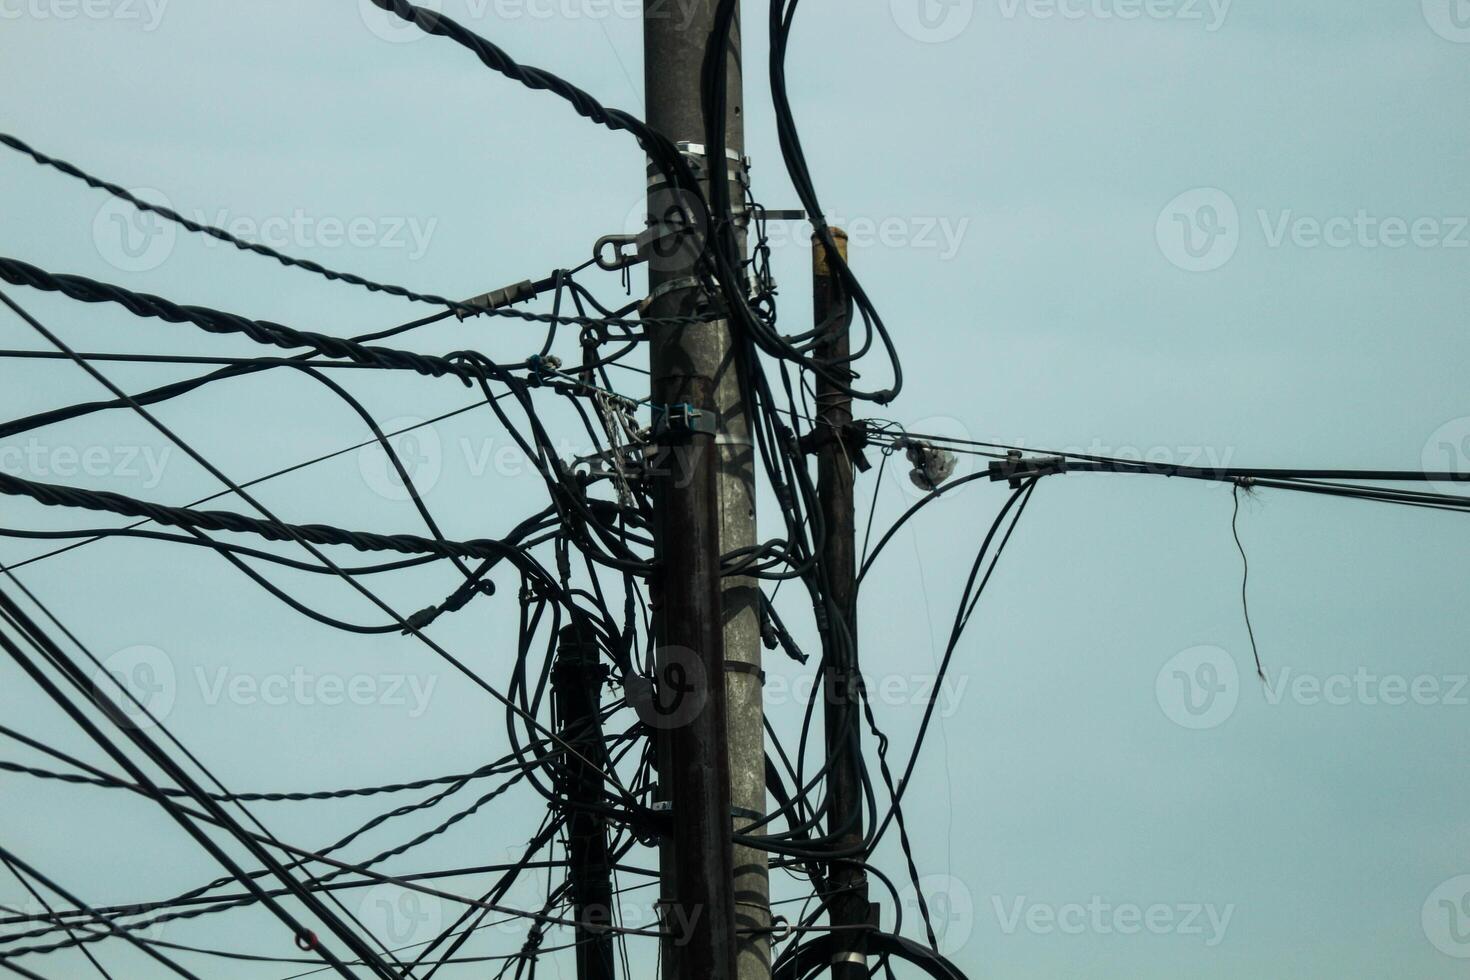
583,566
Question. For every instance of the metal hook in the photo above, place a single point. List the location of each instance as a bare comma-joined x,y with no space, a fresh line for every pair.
621,257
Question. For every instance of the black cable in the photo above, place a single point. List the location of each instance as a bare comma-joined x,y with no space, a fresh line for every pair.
11,859
51,912
966,607
265,332
300,536
49,355
452,306
1245,576
269,476
14,616
174,389
55,495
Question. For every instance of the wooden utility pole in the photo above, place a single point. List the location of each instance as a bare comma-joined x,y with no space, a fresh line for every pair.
576,681
846,882
711,760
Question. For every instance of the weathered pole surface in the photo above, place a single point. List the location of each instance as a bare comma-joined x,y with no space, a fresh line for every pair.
847,882
706,508
576,681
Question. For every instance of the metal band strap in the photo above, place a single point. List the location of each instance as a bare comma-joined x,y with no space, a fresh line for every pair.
741,667
736,812
671,286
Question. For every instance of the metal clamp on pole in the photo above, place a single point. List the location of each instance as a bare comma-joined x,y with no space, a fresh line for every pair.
630,250
697,157
680,423
1016,469
621,257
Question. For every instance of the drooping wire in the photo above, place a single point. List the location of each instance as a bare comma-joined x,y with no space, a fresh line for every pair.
1245,575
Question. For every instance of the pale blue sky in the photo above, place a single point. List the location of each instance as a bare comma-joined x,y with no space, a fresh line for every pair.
1017,180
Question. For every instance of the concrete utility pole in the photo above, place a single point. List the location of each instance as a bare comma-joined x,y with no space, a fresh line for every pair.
576,681
832,310
712,767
